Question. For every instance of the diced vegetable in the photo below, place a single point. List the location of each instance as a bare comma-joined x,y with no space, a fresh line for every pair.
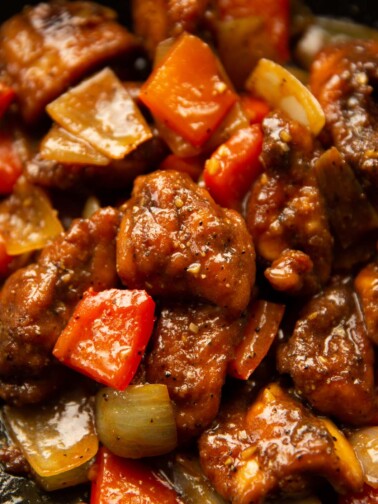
246,37
107,335
189,478
193,166
138,422
282,90
10,163
259,333
192,103
255,108
233,167
91,206
125,481
275,14
58,439
349,464
177,143
234,120
61,146
6,96
27,220
100,111
365,445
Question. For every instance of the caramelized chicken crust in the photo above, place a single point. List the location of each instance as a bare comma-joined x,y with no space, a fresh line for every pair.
48,47
37,301
286,211
175,241
330,357
191,348
259,449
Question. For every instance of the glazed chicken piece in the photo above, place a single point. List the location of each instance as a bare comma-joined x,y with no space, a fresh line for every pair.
286,214
366,284
274,446
351,215
50,46
191,348
37,301
174,241
156,20
344,78
330,357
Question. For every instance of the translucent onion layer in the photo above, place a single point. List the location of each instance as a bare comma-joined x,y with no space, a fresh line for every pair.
137,422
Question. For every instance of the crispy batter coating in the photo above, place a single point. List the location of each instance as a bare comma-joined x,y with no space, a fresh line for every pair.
330,357
175,241
48,47
191,347
37,301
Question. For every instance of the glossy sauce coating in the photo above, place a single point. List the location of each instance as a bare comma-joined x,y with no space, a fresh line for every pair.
330,357
286,212
271,445
175,241
37,301
190,352
50,46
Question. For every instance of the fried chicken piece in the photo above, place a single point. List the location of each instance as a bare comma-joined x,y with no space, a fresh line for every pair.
37,301
191,348
175,241
285,210
275,445
50,46
330,357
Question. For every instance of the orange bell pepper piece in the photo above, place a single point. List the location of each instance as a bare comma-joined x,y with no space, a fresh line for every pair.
187,91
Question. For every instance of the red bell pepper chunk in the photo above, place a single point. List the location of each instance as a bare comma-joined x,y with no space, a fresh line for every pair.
259,333
107,334
275,13
255,108
187,92
125,481
234,166
368,495
10,163
6,96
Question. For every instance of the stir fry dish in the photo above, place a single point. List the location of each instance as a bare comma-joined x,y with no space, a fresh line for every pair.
188,254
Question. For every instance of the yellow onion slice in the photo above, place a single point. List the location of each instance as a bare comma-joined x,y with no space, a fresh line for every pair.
281,90
61,146
91,206
101,111
58,439
365,444
27,220
137,422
